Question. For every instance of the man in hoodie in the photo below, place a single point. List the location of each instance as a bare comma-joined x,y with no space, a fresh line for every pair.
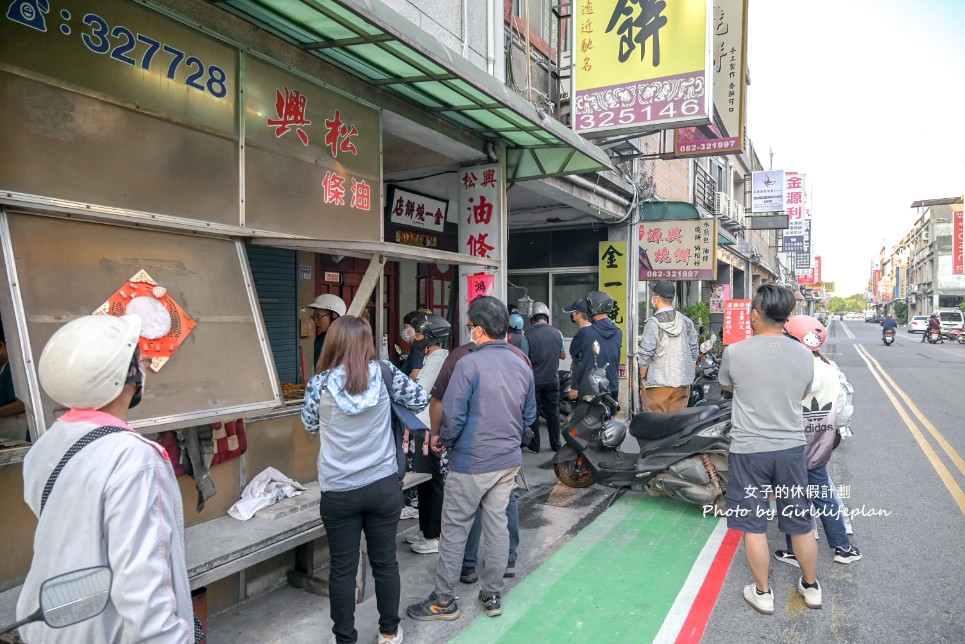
668,352
607,334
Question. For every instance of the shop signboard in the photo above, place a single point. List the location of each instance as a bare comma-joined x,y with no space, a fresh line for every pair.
725,134
767,192
637,65
797,237
416,210
718,293
312,160
678,249
958,247
737,321
479,284
613,277
480,198
817,269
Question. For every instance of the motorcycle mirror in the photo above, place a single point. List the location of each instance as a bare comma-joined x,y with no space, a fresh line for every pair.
75,596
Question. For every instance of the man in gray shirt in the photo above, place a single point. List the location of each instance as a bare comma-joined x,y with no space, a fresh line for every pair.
769,375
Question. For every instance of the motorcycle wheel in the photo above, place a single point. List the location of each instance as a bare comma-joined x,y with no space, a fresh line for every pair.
575,473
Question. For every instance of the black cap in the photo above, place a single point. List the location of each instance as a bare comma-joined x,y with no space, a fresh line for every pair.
664,289
579,306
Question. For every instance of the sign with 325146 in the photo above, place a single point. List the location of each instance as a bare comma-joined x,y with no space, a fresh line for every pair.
124,52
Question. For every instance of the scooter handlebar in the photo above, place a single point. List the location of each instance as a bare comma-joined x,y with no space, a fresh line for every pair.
612,403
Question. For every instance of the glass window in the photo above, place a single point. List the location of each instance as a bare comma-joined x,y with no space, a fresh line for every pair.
566,288
536,285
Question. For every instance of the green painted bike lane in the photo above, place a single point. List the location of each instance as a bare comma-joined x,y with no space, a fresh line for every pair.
615,580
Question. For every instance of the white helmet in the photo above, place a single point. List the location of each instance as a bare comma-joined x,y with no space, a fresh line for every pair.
329,302
86,361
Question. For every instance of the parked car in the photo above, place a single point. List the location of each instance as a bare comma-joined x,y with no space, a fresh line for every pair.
874,319
951,320
918,324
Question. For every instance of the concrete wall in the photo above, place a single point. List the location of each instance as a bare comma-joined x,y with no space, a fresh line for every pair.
460,26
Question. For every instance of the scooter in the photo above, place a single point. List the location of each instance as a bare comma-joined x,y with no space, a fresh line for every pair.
956,335
70,598
934,336
888,337
566,405
681,455
705,388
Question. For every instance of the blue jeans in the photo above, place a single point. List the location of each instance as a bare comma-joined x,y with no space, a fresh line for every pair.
825,502
472,545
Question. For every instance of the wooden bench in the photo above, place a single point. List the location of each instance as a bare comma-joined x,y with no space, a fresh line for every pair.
223,546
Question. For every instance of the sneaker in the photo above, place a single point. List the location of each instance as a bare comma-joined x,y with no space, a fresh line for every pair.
787,557
426,546
510,570
391,639
491,604
414,538
846,556
812,596
468,576
763,604
529,449
409,512
432,609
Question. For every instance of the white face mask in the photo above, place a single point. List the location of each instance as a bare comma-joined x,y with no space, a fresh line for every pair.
408,334
471,338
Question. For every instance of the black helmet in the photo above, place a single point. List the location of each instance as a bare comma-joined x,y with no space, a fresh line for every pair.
435,327
599,302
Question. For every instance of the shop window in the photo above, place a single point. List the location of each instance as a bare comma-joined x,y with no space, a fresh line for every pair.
566,288
555,249
274,273
65,269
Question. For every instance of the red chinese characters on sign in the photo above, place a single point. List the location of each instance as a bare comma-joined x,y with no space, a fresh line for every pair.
361,195
479,216
339,136
290,109
677,249
737,321
958,247
334,189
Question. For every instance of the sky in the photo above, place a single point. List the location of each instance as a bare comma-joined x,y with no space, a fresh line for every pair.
866,98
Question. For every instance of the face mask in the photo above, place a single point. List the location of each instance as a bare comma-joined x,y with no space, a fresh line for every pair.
471,338
408,334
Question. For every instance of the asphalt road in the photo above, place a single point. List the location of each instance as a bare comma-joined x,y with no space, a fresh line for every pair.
907,484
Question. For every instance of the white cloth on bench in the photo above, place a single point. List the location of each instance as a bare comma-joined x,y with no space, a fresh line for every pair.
265,489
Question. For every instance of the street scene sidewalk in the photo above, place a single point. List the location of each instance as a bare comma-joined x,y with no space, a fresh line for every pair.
550,514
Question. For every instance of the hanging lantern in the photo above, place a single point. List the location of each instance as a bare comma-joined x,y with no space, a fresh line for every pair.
525,305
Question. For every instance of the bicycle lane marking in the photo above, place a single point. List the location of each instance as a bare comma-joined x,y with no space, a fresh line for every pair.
617,580
958,494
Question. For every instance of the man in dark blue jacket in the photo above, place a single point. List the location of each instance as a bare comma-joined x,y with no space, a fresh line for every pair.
607,334
489,402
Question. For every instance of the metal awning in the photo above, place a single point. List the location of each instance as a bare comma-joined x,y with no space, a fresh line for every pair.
371,41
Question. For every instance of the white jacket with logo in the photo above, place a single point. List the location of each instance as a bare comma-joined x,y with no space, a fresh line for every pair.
116,503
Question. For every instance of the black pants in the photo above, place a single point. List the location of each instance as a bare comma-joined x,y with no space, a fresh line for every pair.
375,509
548,403
430,492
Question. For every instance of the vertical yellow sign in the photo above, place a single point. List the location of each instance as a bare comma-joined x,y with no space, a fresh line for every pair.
613,278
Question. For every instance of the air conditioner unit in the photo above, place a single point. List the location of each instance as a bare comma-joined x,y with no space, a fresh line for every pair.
721,203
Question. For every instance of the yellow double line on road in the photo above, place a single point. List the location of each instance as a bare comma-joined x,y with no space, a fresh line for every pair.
896,392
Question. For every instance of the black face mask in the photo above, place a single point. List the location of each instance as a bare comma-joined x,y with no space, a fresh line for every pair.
137,379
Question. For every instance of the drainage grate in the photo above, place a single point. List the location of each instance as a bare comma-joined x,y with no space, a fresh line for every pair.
562,496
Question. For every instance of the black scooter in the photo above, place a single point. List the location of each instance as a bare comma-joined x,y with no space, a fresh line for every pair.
681,455
888,337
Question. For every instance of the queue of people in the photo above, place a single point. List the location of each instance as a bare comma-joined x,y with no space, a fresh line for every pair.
92,366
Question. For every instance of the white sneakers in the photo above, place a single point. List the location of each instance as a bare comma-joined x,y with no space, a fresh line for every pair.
426,546
414,538
763,604
812,596
391,639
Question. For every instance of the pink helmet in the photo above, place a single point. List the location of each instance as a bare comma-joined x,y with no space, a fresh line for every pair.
806,330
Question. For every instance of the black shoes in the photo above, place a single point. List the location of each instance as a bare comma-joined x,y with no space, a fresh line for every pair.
432,609
468,576
491,604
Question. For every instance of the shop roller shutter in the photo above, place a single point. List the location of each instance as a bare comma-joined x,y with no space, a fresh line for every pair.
275,273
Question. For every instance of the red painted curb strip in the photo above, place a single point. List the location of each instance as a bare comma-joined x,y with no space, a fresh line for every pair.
703,606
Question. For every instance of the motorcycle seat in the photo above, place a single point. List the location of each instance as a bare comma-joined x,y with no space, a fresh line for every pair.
656,426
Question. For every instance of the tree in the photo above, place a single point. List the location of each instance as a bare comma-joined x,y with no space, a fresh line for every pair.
901,312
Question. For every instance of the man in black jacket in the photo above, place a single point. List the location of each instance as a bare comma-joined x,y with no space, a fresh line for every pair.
546,349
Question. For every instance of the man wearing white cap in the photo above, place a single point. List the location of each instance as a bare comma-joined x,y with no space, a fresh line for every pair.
326,308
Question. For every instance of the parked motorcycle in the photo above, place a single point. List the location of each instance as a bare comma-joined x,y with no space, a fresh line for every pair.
681,455
888,337
705,387
566,405
70,598
956,335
